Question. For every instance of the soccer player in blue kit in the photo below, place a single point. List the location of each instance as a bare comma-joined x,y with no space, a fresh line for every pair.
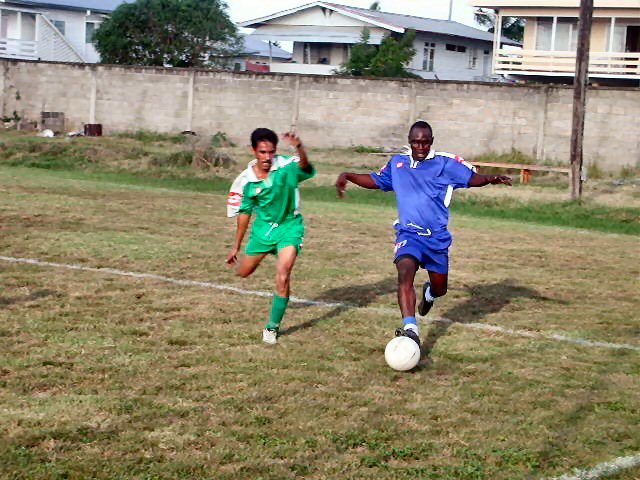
423,182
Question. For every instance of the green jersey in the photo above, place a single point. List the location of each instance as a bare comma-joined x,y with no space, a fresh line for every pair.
274,199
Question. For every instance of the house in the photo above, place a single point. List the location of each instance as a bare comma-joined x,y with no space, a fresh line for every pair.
62,30
323,33
55,30
258,55
550,39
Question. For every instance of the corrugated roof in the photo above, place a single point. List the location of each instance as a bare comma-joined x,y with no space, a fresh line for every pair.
391,21
255,46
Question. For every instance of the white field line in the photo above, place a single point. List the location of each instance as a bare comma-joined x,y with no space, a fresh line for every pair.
258,293
604,469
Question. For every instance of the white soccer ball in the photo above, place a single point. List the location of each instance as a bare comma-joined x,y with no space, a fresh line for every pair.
402,354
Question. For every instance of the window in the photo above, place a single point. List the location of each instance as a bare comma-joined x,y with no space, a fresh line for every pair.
429,55
89,29
566,34
619,36
455,48
59,24
473,58
553,34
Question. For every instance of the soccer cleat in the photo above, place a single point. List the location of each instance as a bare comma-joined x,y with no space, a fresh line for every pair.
401,332
424,306
270,336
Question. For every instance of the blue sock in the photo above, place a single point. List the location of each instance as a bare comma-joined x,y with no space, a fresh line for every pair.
410,323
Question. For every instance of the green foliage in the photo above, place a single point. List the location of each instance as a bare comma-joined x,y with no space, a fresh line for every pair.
220,139
362,54
365,149
512,27
175,33
387,60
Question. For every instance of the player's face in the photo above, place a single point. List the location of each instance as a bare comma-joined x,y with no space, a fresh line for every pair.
420,140
264,152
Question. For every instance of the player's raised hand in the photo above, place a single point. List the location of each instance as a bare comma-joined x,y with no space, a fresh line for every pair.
292,138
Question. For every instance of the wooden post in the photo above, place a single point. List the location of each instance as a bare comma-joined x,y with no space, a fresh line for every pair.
580,83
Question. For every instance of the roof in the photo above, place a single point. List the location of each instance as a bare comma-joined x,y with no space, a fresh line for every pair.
391,21
260,48
100,6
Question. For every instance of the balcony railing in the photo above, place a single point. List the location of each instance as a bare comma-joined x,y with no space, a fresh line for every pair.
540,62
22,49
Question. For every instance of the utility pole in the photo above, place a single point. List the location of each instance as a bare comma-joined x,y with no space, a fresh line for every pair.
580,83
450,9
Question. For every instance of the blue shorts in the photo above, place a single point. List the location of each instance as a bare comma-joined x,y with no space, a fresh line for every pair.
433,260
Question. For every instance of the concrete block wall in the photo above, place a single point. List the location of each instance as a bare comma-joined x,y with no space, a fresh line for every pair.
468,118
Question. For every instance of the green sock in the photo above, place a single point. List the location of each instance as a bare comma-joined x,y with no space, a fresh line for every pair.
278,306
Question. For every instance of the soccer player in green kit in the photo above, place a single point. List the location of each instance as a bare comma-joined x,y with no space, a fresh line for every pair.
269,187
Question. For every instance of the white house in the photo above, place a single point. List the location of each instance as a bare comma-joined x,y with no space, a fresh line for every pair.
323,33
56,30
62,30
551,34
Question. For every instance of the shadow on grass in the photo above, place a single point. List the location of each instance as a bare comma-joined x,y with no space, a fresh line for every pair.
7,301
353,296
484,299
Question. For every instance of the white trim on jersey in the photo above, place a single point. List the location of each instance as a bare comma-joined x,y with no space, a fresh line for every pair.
458,159
234,200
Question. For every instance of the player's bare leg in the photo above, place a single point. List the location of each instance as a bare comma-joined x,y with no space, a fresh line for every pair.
286,259
248,264
434,288
407,267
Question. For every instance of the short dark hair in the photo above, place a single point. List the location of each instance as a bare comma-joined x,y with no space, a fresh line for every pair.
421,124
262,134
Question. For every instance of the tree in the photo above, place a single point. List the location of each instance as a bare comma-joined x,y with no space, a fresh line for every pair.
176,33
375,6
512,27
387,60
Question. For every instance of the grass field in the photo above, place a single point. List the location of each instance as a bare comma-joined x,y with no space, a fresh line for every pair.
106,375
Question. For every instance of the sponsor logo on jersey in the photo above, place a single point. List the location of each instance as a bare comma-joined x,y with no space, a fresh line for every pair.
234,199
399,165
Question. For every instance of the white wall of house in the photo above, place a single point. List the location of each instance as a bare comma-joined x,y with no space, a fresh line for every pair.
75,25
453,58
21,26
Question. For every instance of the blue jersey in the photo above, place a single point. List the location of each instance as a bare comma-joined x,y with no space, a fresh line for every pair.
423,192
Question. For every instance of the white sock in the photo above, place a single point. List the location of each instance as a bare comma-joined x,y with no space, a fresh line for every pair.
427,295
413,327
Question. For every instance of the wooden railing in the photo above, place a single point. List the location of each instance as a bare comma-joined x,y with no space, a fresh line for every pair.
22,49
612,64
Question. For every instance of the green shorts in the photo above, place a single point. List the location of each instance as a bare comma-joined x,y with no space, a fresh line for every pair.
269,238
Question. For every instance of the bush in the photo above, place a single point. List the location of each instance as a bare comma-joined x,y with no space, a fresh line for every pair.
220,139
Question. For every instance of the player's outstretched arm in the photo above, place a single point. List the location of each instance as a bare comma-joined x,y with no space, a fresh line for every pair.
478,180
294,140
241,229
363,180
